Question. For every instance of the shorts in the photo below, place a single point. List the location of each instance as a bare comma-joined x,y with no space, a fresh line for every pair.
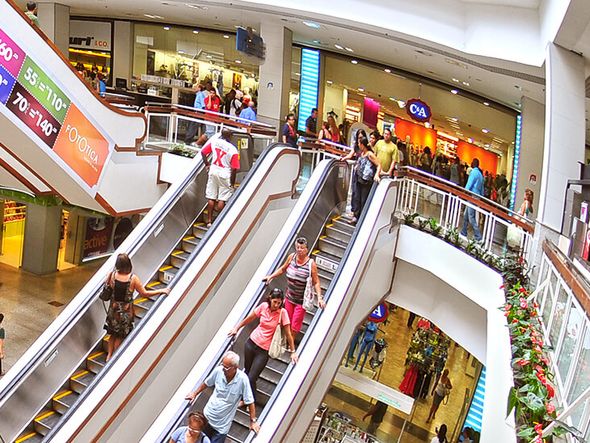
210,130
218,187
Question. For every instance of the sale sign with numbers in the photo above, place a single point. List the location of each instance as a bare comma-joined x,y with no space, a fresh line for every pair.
36,100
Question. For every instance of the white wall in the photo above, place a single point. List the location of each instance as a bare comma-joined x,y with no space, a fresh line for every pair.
122,50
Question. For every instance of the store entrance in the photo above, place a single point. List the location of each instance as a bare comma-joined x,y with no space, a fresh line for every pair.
62,263
389,379
12,232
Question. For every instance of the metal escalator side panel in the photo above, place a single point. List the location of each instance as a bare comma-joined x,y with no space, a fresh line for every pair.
362,280
326,190
46,365
117,396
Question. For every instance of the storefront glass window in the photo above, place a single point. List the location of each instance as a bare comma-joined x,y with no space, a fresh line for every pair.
581,378
166,57
548,305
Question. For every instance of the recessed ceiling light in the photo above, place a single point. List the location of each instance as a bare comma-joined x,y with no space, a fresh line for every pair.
209,56
349,49
298,74
454,91
337,46
454,119
239,62
427,125
166,28
201,7
329,82
393,99
354,62
225,36
153,16
455,80
486,103
195,31
466,83
361,89
387,70
401,103
470,140
313,25
485,131
317,42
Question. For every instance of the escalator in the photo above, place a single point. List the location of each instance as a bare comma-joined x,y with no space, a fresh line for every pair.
161,363
64,364
356,270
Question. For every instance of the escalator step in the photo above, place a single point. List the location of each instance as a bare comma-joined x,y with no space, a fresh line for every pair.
64,401
167,273
178,258
96,362
189,243
343,225
331,246
238,432
155,284
277,365
29,437
334,232
81,380
326,261
45,421
271,375
142,306
243,417
199,230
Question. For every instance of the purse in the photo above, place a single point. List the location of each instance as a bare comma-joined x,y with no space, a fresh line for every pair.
107,290
309,294
276,345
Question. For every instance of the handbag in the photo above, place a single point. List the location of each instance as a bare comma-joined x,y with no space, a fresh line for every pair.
276,345
365,170
107,290
514,236
309,294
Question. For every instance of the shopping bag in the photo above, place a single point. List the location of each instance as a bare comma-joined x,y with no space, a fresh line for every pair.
514,236
276,345
309,294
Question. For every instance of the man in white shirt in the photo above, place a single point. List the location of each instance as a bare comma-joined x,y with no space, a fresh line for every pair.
225,162
231,386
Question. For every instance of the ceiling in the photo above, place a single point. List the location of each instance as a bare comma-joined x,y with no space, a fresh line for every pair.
531,4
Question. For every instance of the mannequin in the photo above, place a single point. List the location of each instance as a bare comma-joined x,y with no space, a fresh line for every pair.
353,344
366,344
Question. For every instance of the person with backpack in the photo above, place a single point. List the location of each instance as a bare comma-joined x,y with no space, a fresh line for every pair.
367,170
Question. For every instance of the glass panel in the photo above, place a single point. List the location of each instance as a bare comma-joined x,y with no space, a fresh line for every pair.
568,348
548,306
581,379
558,317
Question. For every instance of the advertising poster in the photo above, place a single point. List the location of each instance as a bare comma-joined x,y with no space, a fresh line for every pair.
98,236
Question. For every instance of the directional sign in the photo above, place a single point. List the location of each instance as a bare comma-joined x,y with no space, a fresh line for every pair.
380,313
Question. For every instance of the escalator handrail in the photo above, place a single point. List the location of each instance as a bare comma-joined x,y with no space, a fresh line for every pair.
319,314
87,295
325,168
202,244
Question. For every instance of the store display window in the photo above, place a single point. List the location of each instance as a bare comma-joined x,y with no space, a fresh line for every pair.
90,50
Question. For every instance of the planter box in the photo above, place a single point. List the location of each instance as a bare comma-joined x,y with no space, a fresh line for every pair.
174,167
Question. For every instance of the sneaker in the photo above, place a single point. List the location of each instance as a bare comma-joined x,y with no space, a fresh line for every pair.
353,220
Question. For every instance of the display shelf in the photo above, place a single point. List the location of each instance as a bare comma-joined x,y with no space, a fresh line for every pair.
339,428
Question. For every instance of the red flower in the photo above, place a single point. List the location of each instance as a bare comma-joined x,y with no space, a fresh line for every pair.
550,408
522,362
539,429
537,439
523,303
550,390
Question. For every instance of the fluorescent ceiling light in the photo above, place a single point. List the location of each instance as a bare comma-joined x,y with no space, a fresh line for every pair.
313,25
195,31
485,131
401,103
329,82
486,103
454,91
225,36
455,80
337,46
354,62
349,49
466,83
153,16
387,70
166,28
361,89
201,7
427,125
239,62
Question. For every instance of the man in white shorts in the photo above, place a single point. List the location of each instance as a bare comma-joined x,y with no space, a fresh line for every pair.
222,169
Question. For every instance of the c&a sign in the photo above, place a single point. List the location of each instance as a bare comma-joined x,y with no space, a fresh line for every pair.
418,110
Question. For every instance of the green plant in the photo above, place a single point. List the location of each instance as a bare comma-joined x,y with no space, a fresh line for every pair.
515,270
434,226
422,223
409,218
183,150
452,236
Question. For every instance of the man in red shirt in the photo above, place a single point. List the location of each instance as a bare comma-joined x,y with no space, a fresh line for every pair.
224,165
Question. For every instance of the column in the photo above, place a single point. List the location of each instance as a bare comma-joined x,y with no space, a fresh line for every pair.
41,243
122,51
54,20
564,131
275,74
531,151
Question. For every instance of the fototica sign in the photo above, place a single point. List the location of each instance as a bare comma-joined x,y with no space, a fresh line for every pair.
418,110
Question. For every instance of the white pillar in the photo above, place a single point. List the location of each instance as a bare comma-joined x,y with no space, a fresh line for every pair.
122,51
531,150
564,130
42,235
275,73
54,20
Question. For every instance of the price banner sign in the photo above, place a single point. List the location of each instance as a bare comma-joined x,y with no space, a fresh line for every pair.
44,89
6,84
11,55
31,113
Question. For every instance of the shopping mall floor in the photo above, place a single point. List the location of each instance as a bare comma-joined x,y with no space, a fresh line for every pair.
31,302
398,336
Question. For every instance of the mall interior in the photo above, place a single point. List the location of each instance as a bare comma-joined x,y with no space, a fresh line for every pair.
452,313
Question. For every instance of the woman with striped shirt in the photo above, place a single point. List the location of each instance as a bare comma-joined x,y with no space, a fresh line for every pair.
297,267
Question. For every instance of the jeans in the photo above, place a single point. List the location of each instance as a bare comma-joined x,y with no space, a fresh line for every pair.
366,347
471,219
213,435
362,195
353,345
255,359
354,189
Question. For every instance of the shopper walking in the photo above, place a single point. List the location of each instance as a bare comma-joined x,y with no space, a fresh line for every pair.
334,131
299,266
31,12
441,390
193,432
456,171
270,314
289,134
230,387
367,170
2,338
120,314
199,103
475,185
441,435
222,169
377,412
386,151
311,124
425,160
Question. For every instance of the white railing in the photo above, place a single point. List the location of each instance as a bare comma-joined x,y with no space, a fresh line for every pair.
566,328
432,197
